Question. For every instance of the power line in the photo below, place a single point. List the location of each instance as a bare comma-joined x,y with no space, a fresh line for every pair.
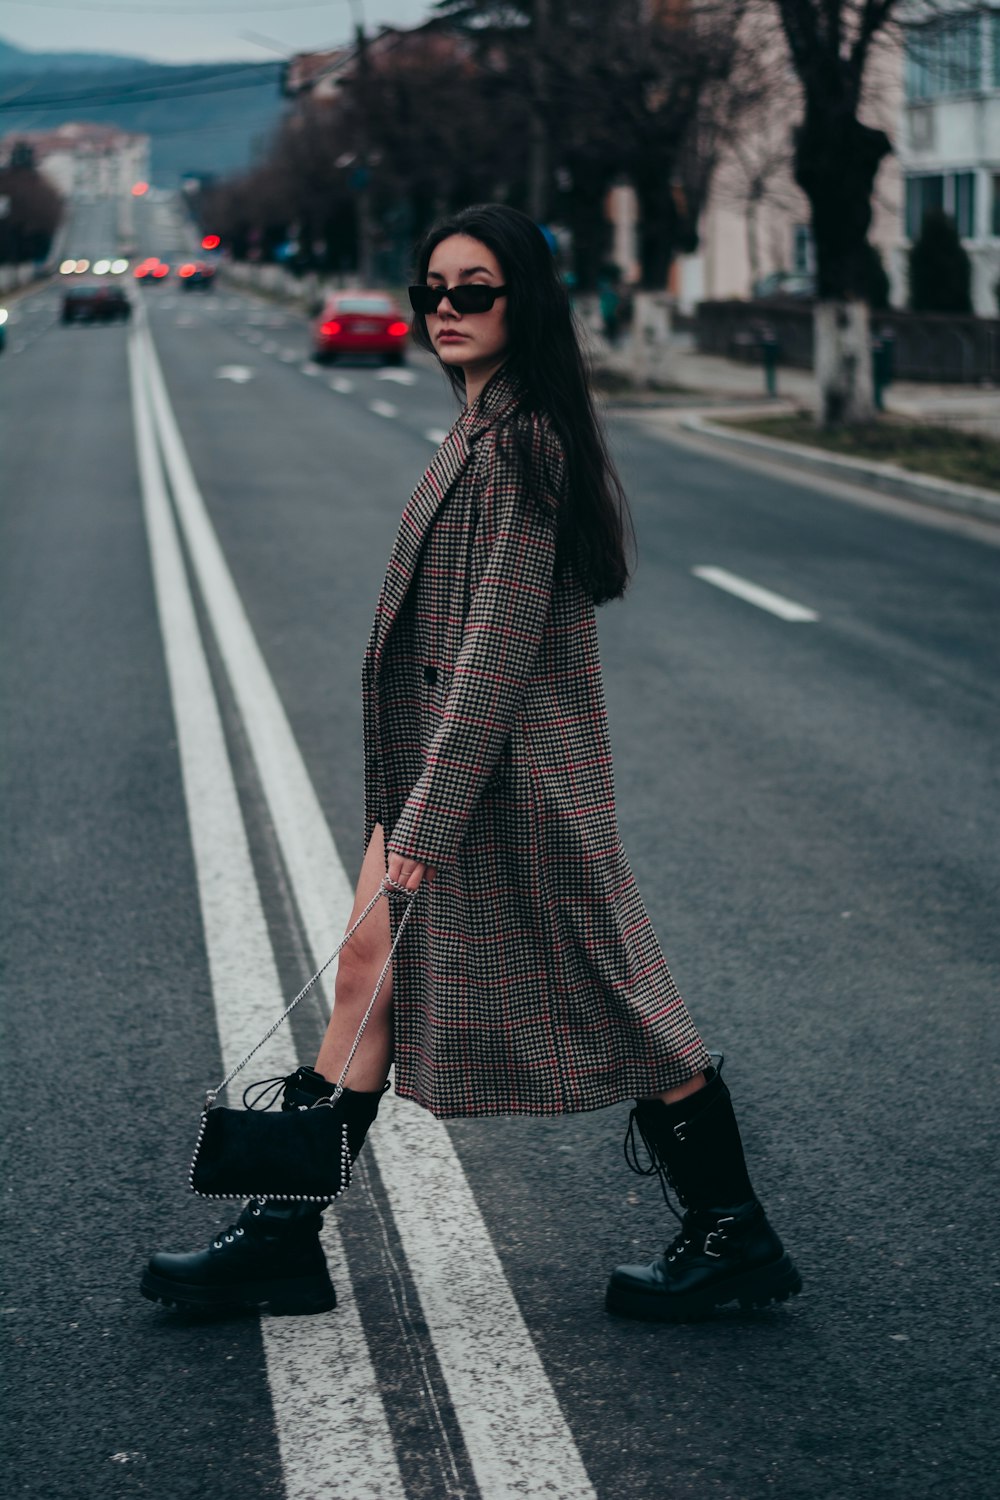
150,93
156,10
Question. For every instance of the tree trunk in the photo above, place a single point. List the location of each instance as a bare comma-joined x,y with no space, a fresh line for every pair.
843,363
836,161
649,339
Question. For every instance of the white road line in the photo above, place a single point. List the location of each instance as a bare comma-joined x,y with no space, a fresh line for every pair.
383,408
289,356
518,1440
332,1429
308,369
435,435
400,377
341,385
785,609
268,347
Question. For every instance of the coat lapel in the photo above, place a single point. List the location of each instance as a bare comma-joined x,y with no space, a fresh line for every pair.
498,399
445,467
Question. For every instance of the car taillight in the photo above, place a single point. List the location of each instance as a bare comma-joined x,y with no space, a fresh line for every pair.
161,270
141,271
186,271
398,329
330,329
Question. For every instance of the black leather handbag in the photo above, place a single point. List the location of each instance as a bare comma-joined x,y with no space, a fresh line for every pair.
299,1154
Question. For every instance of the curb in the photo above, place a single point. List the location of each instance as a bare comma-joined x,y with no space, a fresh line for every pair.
965,499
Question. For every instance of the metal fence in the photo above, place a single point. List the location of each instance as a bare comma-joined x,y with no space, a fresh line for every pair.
941,347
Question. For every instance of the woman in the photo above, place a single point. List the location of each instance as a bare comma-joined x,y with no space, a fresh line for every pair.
530,982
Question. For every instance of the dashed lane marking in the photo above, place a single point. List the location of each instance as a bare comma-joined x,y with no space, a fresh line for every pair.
308,369
435,435
399,377
341,385
383,408
776,604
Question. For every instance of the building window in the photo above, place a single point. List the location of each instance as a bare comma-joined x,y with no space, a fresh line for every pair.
922,195
954,192
945,56
963,206
995,217
803,257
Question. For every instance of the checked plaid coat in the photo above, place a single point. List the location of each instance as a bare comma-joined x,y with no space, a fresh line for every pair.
529,980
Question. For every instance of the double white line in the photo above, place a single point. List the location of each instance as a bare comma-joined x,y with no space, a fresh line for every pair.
330,1419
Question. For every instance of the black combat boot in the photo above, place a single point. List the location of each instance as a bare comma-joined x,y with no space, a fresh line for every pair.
272,1254
726,1250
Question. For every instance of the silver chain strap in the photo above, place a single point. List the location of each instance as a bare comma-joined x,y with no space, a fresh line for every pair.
384,889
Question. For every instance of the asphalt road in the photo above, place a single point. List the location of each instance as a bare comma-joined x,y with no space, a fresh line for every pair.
811,810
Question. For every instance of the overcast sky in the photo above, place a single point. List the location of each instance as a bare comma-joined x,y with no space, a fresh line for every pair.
186,31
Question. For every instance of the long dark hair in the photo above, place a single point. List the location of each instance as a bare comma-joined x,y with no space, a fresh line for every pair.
595,526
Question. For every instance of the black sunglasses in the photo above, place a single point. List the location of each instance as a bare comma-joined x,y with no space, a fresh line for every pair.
472,298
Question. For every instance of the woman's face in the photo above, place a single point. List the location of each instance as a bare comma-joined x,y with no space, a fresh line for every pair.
475,343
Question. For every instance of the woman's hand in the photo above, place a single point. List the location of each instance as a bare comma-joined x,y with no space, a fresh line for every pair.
409,872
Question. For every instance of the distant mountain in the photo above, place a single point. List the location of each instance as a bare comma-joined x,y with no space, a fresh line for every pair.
17,60
205,117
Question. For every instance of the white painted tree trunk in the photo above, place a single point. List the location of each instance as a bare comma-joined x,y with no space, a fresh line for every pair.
649,339
843,363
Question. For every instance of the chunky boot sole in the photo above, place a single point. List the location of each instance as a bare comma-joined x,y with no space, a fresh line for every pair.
755,1288
296,1296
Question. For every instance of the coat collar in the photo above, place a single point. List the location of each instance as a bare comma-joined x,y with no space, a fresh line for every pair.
498,399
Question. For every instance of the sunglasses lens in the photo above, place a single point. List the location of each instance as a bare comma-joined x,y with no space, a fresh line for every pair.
424,299
472,299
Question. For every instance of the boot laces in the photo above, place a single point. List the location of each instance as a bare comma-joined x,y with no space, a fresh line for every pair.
234,1232
656,1166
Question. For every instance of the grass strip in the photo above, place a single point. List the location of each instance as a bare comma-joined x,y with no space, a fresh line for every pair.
944,452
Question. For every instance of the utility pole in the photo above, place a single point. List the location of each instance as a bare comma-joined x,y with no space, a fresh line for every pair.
363,173
539,164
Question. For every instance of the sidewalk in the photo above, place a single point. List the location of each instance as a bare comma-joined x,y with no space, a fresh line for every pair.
703,386
972,408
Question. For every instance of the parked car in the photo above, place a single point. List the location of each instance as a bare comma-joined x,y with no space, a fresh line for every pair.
196,275
95,302
358,322
785,284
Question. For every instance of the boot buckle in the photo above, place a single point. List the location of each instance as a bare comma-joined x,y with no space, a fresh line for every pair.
716,1236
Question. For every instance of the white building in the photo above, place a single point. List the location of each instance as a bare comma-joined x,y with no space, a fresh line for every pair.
949,144
86,161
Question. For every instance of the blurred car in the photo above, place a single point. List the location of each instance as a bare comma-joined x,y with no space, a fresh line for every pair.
151,270
196,275
3,327
359,322
790,284
95,302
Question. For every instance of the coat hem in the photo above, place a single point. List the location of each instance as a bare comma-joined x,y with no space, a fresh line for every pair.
636,1089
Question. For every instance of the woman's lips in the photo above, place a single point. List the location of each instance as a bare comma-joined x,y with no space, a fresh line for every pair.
450,338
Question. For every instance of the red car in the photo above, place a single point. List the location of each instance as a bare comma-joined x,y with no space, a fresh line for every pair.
361,323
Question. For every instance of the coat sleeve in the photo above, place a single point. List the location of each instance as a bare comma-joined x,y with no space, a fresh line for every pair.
503,630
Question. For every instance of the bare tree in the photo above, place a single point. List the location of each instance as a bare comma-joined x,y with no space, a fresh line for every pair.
836,159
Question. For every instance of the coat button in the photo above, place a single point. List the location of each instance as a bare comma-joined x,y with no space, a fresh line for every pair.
431,675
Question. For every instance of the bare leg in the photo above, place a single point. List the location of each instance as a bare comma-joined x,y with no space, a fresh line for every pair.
672,1096
358,969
